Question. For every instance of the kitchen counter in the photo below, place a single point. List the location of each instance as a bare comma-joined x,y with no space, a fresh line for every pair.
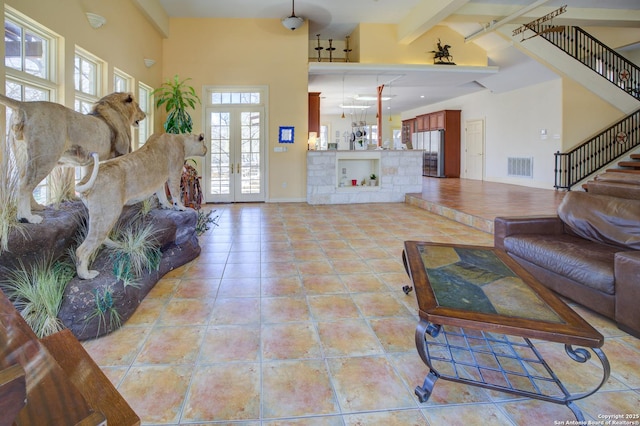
331,174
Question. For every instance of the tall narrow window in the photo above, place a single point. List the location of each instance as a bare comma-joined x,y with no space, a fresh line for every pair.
25,50
145,99
30,53
87,72
121,81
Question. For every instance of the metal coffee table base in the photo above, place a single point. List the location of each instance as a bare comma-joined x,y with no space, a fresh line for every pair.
498,362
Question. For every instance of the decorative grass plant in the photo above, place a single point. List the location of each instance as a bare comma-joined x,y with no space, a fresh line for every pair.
37,292
62,185
105,311
205,221
8,191
134,250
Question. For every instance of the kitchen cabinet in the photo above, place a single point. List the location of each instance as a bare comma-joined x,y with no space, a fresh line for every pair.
314,112
442,157
436,120
408,129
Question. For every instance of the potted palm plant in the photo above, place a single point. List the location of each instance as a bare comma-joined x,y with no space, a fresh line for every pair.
177,97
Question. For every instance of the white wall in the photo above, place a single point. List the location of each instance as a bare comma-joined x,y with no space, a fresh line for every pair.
513,121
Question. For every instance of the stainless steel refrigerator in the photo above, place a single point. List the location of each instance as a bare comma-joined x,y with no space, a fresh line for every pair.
432,144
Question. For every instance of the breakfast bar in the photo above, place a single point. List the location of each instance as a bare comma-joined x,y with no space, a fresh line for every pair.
344,177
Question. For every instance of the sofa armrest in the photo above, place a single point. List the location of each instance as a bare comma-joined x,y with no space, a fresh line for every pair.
506,226
627,276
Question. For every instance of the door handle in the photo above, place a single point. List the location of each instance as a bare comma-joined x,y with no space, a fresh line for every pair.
238,168
232,169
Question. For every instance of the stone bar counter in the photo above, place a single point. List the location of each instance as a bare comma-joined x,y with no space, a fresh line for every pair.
343,177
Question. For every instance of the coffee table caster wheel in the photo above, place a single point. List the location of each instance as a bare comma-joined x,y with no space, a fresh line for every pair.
422,394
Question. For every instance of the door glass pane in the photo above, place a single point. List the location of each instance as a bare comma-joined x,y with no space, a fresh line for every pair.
220,143
250,152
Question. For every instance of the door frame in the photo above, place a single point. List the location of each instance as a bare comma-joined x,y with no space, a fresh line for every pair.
466,148
208,106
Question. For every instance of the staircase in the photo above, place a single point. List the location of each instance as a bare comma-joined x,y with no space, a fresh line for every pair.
630,166
596,153
623,174
618,82
595,55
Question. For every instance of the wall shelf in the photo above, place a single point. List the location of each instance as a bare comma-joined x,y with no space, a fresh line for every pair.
358,166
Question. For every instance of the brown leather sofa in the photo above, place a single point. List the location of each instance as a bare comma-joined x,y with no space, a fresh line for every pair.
589,253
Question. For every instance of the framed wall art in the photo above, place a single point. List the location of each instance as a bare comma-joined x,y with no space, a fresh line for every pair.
286,134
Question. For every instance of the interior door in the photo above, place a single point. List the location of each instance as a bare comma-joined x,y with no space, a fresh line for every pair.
235,164
474,152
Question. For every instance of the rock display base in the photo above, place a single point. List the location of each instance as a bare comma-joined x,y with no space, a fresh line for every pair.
91,308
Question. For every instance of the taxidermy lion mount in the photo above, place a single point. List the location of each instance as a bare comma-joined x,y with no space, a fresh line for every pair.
45,134
130,179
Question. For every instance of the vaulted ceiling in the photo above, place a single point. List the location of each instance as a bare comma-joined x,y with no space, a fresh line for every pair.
476,20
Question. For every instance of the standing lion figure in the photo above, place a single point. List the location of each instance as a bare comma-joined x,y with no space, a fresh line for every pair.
130,179
45,134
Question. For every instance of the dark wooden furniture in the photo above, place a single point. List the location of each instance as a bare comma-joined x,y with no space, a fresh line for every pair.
13,393
478,311
314,112
63,384
408,129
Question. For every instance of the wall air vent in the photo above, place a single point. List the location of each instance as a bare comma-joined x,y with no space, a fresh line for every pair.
520,166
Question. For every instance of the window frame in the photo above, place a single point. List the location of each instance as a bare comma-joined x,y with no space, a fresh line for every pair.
82,98
24,79
126,78
148,109
50,82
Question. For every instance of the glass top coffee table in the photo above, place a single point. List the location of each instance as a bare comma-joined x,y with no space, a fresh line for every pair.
479,312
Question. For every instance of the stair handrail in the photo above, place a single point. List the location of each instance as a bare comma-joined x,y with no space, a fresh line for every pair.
593,154
594,54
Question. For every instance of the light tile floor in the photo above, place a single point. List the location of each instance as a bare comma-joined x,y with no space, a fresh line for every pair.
295,315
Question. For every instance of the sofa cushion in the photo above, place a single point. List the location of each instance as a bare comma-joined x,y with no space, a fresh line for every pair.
601,218
578,259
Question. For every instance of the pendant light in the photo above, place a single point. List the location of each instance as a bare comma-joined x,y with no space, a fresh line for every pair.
292,22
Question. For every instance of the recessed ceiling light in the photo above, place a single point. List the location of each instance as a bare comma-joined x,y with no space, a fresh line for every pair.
421,96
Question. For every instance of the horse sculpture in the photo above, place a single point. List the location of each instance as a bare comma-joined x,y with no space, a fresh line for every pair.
442,56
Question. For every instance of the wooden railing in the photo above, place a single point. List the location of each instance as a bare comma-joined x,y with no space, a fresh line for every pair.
599,57
573,166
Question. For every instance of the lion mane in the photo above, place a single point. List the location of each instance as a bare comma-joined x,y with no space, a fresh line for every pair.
112,113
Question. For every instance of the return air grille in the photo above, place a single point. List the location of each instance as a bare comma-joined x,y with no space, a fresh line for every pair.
520,166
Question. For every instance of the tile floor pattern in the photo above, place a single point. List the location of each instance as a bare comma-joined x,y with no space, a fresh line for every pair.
294,315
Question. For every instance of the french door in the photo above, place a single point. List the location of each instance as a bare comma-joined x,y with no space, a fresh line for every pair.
235,167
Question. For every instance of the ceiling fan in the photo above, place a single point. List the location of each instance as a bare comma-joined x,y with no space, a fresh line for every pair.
292,22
